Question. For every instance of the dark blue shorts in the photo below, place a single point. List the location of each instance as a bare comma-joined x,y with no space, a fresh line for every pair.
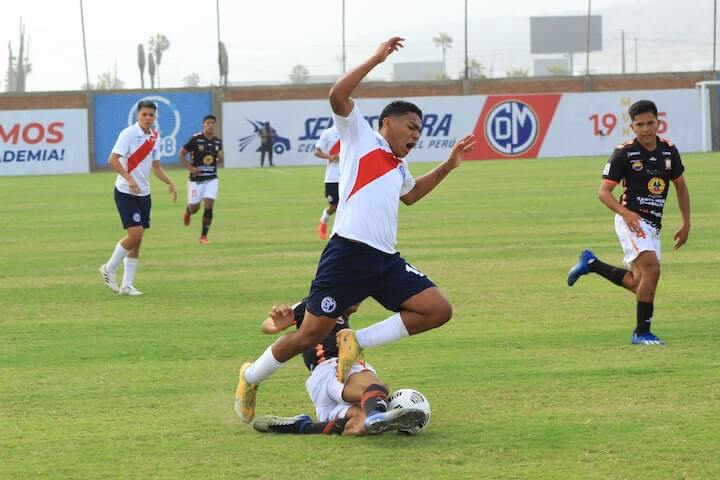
331,193
349,272
134,210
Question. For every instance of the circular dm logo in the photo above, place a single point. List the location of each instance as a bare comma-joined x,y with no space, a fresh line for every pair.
328,304
136,217
511,127
656,185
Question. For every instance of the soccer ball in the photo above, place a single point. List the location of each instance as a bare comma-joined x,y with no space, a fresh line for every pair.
409,398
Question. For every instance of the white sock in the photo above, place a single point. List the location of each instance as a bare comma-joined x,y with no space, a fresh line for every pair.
129,272
118,256
263,367
324,217
389,330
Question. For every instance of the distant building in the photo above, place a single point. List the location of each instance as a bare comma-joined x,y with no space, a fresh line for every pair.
417,71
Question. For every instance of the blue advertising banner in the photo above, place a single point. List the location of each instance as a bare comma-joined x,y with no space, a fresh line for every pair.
179,116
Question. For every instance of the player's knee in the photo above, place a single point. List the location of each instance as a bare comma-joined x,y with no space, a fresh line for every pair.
442,313
310,338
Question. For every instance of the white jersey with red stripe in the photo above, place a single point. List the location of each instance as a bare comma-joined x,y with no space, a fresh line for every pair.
372,180
137,151
329,143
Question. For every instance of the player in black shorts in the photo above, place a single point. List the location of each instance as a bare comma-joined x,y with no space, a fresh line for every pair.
356,407
645,165
206,152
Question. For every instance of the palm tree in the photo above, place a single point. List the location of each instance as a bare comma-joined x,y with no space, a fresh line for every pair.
141,64
158,44
444,41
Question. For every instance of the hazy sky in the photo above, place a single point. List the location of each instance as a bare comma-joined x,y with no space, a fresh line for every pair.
266,38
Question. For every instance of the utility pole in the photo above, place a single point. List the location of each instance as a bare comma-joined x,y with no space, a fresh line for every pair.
220,69
343,37
466,40
622,49
587,43
82,25
636,55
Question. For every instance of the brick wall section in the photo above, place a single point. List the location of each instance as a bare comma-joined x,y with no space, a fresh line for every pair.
600,83
43,100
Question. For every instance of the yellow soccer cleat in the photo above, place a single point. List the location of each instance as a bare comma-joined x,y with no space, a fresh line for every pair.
245,396
349,351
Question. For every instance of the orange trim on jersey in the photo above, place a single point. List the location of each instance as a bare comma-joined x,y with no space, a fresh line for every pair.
626,143
610,182
670,144
372,166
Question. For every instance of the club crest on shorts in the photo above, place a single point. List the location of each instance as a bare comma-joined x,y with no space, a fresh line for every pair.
328,304
136,217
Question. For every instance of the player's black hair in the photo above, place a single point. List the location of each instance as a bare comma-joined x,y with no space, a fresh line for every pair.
642,106
146,104
398,107
209,117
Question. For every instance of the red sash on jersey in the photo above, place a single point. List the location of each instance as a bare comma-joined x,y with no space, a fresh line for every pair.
373,166
142,152
335,148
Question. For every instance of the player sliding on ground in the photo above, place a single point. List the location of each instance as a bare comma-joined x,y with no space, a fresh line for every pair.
356,407
360,259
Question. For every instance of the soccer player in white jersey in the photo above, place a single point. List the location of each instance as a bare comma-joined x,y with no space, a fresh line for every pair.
328,148
360,259
135,153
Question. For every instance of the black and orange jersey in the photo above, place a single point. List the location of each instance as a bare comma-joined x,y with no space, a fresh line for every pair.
204,152
645,175
329,347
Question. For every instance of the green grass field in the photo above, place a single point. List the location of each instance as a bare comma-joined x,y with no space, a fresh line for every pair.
530,379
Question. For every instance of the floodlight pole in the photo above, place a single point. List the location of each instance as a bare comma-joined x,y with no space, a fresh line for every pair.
466,40
343,37
587,44
217,13
714,33
82,26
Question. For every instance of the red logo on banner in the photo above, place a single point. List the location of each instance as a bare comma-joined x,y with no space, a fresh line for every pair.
513,126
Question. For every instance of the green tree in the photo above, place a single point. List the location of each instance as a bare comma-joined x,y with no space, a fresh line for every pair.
476,70
192,80
444,41
141,64
299,74
518,73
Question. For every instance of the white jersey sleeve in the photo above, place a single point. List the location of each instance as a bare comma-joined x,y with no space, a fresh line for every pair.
122,144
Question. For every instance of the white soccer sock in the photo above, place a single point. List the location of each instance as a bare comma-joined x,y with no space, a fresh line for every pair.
389,330
325,216
118,256
129,272
263,367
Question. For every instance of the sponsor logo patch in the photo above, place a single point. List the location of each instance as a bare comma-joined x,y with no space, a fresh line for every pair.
636,165
656,185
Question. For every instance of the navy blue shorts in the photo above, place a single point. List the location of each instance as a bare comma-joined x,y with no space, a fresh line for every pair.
349,272
134,210
331,193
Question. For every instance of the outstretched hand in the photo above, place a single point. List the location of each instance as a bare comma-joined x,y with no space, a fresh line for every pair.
283,316
461,147
388,47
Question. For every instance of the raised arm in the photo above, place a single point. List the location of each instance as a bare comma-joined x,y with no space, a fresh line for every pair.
340,100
